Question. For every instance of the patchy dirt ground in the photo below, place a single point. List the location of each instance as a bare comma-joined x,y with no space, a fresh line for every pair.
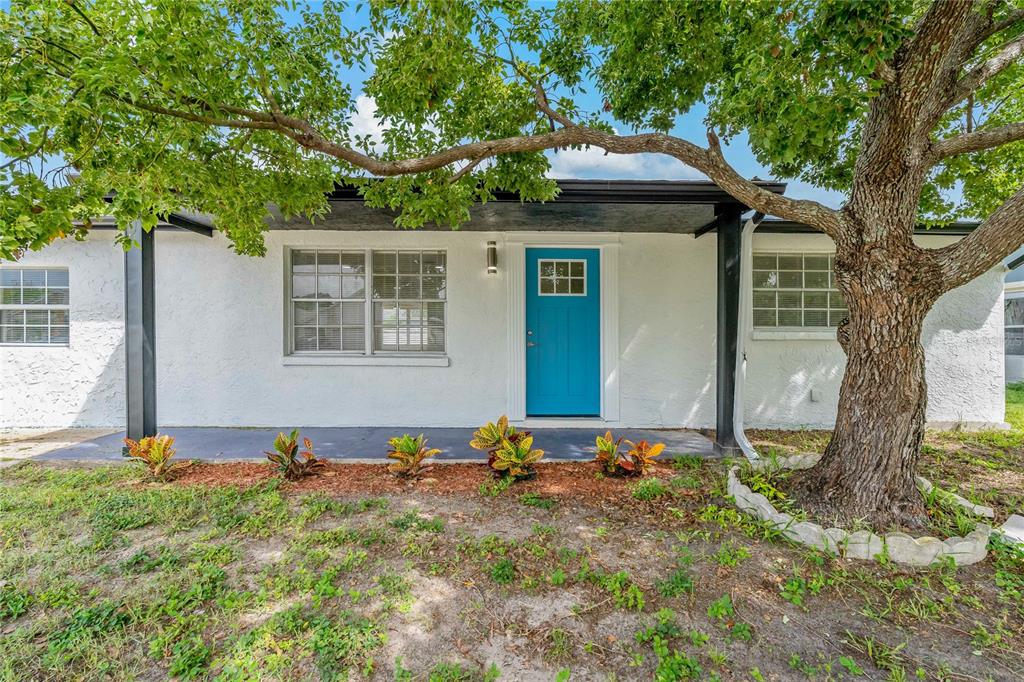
227,573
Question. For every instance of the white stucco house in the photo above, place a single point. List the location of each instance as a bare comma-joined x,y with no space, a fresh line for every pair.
604,307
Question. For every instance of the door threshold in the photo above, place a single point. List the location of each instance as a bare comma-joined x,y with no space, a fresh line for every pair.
563,422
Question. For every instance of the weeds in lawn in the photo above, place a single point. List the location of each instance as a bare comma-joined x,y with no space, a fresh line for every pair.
730,554
723,611
496,487
143,582
649,489
13,602
534,500
411,520
503,572
625,593
678,583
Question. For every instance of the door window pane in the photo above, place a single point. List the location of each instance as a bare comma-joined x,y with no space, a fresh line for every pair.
562,277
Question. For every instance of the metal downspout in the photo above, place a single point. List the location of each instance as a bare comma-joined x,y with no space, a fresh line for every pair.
746,282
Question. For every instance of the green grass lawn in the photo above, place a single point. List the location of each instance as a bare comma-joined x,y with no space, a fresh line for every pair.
1015,406
106,576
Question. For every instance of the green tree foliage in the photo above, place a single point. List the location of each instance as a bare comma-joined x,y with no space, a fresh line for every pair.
226,106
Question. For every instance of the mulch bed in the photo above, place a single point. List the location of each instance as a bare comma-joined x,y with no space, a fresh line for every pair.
576,480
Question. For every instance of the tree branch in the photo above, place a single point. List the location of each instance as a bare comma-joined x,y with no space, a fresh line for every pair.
986,246
800,210
462,172
1009,53
709,161
85,17
976,141
1006,22
212,121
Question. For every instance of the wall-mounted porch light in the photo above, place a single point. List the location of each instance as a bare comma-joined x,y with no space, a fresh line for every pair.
492,258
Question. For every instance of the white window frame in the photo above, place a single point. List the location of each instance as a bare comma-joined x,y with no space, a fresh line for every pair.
1010,296
38,307
367,356
569,278
790,331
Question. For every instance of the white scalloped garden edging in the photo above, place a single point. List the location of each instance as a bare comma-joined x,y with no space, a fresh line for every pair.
862,544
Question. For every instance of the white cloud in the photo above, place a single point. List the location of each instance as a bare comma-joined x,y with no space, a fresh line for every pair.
593,162
798,189
589,162
364,119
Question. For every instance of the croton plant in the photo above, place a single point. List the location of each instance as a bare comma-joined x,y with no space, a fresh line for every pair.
634,462
509,451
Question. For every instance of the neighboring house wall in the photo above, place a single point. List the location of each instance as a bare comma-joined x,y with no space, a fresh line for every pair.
1014,325
221,361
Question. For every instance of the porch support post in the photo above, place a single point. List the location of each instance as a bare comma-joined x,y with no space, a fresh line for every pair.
139,334
729,233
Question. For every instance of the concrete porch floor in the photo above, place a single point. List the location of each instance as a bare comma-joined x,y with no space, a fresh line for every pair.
370,443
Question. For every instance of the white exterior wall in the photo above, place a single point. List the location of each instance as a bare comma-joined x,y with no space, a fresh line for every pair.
962,336
81,384
220,343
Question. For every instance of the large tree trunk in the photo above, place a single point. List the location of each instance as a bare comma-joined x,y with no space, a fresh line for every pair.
868,468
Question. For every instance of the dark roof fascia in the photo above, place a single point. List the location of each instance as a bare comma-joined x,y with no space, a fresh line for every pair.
617,192
188,224
170,221
956,229
1015,263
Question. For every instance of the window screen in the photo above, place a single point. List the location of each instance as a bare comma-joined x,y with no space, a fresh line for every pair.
34,306
796,290
329,300
334,294
409,292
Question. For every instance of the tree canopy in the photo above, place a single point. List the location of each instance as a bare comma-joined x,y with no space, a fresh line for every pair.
225,106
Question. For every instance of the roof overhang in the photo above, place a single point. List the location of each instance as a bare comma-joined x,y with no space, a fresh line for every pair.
617,192
628,206
955,229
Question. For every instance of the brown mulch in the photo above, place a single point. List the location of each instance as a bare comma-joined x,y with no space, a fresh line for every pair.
576,480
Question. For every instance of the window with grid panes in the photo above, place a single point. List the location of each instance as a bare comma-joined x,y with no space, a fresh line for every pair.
409,292
34,306
328,298
1013,316
335,292
796,290
562,277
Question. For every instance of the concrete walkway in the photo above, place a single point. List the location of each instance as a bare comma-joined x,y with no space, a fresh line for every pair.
370,443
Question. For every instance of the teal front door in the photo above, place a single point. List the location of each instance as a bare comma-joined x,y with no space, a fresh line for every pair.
563,332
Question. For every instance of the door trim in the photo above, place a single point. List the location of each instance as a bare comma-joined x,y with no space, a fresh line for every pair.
515,246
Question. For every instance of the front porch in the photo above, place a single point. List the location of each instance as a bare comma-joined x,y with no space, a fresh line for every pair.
360,443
